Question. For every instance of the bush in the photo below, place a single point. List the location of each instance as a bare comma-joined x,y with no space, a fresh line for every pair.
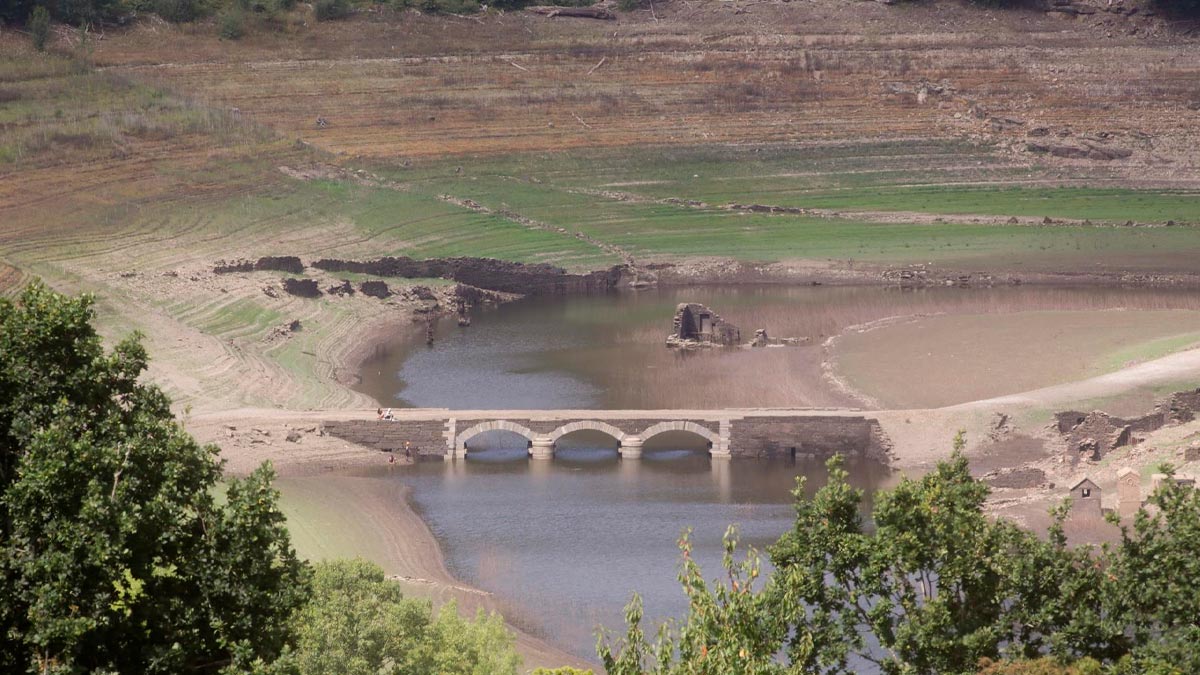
628,5
232,25
39,27
359,623
178,11
1179,7
329,10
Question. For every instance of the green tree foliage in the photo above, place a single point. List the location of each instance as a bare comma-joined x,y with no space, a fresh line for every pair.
114,555
359,623
232,25
1154,576
932,585
77,12
730,629
179,11
39,28
1042,666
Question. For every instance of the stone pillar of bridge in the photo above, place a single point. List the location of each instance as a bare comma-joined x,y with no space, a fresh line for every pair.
721,449
541,448
631,448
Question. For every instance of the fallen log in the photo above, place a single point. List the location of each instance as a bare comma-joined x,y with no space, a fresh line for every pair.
574,12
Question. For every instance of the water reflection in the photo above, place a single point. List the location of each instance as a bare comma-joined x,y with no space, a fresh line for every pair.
564,543
607,351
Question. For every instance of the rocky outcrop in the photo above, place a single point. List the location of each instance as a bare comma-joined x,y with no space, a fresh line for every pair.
283,263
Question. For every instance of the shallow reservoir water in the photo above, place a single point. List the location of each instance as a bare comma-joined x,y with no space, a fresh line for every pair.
565,543
608,352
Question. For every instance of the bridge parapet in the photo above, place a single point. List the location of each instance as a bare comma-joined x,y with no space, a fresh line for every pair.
733,433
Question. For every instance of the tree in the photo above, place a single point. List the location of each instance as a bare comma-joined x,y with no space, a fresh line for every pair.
360,623
39,27
1154,572
730,629
929,584
114,554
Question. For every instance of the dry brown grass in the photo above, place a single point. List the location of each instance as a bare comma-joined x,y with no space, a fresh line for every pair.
408,85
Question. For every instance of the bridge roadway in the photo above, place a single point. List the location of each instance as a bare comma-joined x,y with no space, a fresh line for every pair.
750,432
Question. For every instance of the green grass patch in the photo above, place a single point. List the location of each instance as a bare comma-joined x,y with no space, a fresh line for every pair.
240,318
1146,351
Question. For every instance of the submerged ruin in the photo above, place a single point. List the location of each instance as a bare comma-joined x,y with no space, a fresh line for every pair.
698,326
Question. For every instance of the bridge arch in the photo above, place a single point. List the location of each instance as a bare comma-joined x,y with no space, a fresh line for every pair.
590,425
460,441
711,436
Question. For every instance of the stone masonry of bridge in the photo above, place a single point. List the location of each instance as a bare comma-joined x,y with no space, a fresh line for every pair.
729,433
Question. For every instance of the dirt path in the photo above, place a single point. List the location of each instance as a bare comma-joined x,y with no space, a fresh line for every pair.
1174,368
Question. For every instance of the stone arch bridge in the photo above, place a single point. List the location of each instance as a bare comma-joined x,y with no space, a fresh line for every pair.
728,433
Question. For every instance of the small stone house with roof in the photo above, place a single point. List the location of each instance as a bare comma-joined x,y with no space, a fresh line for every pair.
1085,494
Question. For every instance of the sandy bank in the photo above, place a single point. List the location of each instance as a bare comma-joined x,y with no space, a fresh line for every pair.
378,523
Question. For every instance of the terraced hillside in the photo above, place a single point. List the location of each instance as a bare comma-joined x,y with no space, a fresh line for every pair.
830,138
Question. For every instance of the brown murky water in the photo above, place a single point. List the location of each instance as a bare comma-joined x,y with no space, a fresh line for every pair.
608,352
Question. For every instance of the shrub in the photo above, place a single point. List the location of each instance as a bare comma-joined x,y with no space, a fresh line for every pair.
357,622
628,5
233,25
1179,7
39,27
178,11
329,10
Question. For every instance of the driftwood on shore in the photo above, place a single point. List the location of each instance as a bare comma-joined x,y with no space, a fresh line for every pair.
576,12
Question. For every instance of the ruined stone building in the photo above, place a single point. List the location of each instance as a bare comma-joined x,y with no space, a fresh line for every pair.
697,324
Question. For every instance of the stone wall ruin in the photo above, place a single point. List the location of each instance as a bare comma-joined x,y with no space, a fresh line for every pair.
696,325
1090,436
